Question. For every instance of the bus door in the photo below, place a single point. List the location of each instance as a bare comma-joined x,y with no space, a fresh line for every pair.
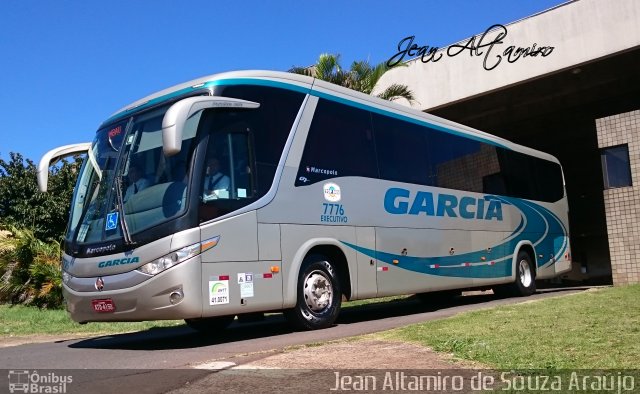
234,278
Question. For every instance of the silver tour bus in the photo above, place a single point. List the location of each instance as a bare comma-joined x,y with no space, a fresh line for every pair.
256,191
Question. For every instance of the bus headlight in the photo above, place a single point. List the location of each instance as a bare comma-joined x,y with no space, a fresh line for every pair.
168,261
65,277
157,266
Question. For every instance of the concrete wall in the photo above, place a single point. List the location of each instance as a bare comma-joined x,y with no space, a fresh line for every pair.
580,31
550,103
622,205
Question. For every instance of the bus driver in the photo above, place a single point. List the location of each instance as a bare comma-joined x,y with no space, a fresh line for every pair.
216,184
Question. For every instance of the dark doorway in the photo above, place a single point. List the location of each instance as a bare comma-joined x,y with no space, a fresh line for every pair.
556,114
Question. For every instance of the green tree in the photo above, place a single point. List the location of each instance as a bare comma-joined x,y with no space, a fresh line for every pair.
21,203
362,76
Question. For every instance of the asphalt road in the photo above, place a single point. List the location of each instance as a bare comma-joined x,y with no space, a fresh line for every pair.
159,360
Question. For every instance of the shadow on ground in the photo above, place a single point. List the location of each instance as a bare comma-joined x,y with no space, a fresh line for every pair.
183,337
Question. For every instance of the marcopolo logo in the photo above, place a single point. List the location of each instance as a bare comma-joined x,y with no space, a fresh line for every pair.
33,382
331,192
400,202
123,261
101,249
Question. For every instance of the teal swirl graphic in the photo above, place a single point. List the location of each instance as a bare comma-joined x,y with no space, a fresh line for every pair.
537,224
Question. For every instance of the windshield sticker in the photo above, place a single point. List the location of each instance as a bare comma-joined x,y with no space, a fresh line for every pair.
112,221
218,292
331,192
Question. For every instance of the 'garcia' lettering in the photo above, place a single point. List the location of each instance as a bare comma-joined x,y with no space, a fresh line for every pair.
123,261
399,202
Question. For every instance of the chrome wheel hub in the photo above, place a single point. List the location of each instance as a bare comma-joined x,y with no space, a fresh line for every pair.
524,271
318,292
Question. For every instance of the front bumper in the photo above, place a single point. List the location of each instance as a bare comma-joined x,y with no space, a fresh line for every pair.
138,298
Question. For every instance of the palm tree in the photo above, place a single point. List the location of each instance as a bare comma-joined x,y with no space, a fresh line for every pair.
29,269
361,77
327,68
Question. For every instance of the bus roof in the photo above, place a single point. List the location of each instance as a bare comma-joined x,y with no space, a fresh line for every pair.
309,85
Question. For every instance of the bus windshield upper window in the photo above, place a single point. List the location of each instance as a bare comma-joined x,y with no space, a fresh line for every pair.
129,155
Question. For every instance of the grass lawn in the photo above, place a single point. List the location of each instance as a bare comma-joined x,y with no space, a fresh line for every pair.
599,328
595,329
371,301
20,320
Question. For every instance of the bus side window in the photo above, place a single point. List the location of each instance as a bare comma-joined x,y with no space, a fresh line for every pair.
494,184
340,143
401,148
228,176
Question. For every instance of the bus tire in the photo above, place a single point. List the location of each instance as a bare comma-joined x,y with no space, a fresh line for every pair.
207,325
525,283
319,295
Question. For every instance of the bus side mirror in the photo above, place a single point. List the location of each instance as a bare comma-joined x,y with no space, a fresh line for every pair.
53,156
177,115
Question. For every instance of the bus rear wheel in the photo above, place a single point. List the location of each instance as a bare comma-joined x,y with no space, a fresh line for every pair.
319,295
208,325
525,275
525,283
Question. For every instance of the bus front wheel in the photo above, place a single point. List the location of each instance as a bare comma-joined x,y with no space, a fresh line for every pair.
319,295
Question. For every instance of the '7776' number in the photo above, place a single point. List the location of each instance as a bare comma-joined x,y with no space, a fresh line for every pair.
333,209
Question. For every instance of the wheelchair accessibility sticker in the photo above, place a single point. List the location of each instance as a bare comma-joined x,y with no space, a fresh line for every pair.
112,221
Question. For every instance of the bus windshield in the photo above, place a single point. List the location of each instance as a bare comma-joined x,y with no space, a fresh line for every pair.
127,181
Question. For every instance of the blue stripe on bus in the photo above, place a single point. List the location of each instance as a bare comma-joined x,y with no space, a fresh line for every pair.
305,90
258,82
219,82
152,102
537,224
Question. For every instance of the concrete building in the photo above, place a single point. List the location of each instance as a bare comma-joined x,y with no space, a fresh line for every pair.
578,99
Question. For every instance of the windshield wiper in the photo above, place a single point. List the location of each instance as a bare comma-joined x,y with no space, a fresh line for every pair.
120,207
120,166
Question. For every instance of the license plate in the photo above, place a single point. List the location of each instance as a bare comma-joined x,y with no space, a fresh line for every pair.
103,306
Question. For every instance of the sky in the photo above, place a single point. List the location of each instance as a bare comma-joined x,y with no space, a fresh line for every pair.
67,65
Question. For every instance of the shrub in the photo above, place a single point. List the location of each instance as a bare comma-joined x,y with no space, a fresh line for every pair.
30,270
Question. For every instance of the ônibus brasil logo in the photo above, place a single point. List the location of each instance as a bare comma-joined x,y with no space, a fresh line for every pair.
26,381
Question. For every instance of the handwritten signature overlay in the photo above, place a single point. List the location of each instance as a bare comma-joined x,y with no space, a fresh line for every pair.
481,46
